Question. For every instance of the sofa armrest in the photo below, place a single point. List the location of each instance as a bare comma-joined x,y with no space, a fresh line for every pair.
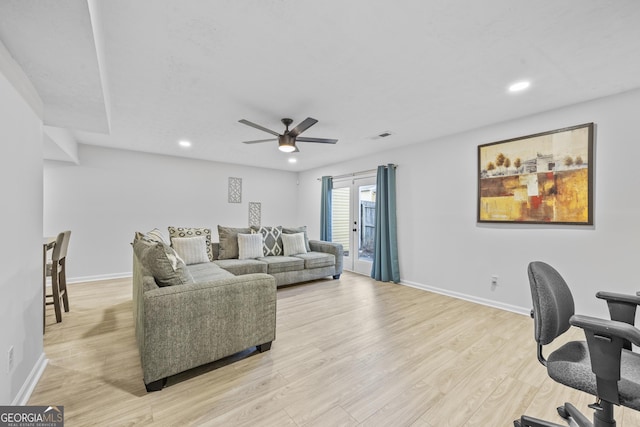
330,248
189,325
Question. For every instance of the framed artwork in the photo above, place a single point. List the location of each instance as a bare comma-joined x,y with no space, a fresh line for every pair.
546,178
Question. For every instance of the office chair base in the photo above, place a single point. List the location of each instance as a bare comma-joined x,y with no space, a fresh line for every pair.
601,418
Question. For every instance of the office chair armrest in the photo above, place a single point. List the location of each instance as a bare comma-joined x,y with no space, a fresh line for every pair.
606,339
620,305
621,308
625,298
607,328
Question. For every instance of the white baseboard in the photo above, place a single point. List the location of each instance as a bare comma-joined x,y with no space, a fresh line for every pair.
29,385
470,298
99,277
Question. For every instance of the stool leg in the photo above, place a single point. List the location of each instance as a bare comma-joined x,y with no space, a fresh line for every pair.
55,278
63,284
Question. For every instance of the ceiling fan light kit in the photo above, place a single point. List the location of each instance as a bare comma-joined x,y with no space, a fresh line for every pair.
286,143
287,140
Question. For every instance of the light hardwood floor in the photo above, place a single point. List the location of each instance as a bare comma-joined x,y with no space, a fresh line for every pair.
348,352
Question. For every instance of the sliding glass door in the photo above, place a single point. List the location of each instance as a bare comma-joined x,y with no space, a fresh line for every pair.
353,221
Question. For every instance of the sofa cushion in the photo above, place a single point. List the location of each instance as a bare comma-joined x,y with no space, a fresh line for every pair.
271,240
242,266
192,232
301,229
282,264
228,237
162,262
317,259
293,244
207,271
249,246
193,250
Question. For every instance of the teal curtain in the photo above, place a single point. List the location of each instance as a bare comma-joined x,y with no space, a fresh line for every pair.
385,260
325,209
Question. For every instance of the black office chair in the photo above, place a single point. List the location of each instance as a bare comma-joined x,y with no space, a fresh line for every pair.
603,366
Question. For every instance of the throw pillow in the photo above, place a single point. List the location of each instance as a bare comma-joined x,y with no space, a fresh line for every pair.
193,250
154,235
249,246
301,229
271,240
228,237
193,232
293,244
166,267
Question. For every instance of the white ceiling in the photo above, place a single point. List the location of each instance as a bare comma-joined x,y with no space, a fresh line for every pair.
143,74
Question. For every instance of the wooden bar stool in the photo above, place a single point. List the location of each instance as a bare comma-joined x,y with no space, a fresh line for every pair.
56,269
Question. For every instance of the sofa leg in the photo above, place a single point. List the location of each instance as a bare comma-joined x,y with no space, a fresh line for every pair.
264,347
336,277
156,385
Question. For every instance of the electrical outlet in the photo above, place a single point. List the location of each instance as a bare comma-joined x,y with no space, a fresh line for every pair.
494,281
10,359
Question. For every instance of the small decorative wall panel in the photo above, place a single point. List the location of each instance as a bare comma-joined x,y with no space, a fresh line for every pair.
235,190
255,214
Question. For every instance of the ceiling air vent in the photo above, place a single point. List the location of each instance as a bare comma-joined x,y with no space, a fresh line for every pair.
382,135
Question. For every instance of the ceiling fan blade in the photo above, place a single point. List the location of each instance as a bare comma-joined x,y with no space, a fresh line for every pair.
262,128
259,140
302,126
321,140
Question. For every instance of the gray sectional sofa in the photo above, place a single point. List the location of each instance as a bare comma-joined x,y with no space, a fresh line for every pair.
325,259
189,314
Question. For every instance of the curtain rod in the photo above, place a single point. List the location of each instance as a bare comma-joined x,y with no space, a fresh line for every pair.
349,175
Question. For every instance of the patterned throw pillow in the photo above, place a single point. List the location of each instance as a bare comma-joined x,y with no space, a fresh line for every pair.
193,250
193,232
271,240
249,246
228,237
293,244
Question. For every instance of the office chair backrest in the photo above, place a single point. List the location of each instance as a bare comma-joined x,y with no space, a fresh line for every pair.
552,302
62,243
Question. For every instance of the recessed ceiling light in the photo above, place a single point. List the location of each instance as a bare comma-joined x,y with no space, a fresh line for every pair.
184,143
293,160
519,86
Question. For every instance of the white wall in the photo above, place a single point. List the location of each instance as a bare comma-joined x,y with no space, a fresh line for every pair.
442,246
21,251
113,193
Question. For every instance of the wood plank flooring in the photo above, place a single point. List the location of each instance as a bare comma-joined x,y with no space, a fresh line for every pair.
348,352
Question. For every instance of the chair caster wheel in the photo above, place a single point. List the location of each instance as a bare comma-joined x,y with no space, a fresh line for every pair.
516,423
562,412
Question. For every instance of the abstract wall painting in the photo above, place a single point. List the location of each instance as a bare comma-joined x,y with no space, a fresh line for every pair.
546,178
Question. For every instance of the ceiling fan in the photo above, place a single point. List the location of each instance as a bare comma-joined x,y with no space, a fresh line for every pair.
287,140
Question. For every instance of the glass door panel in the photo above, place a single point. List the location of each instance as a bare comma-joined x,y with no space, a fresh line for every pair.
353,221
365,225
340,220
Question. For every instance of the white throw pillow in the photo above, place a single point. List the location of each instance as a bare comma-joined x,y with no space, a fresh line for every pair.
293,244
249,246
193,250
